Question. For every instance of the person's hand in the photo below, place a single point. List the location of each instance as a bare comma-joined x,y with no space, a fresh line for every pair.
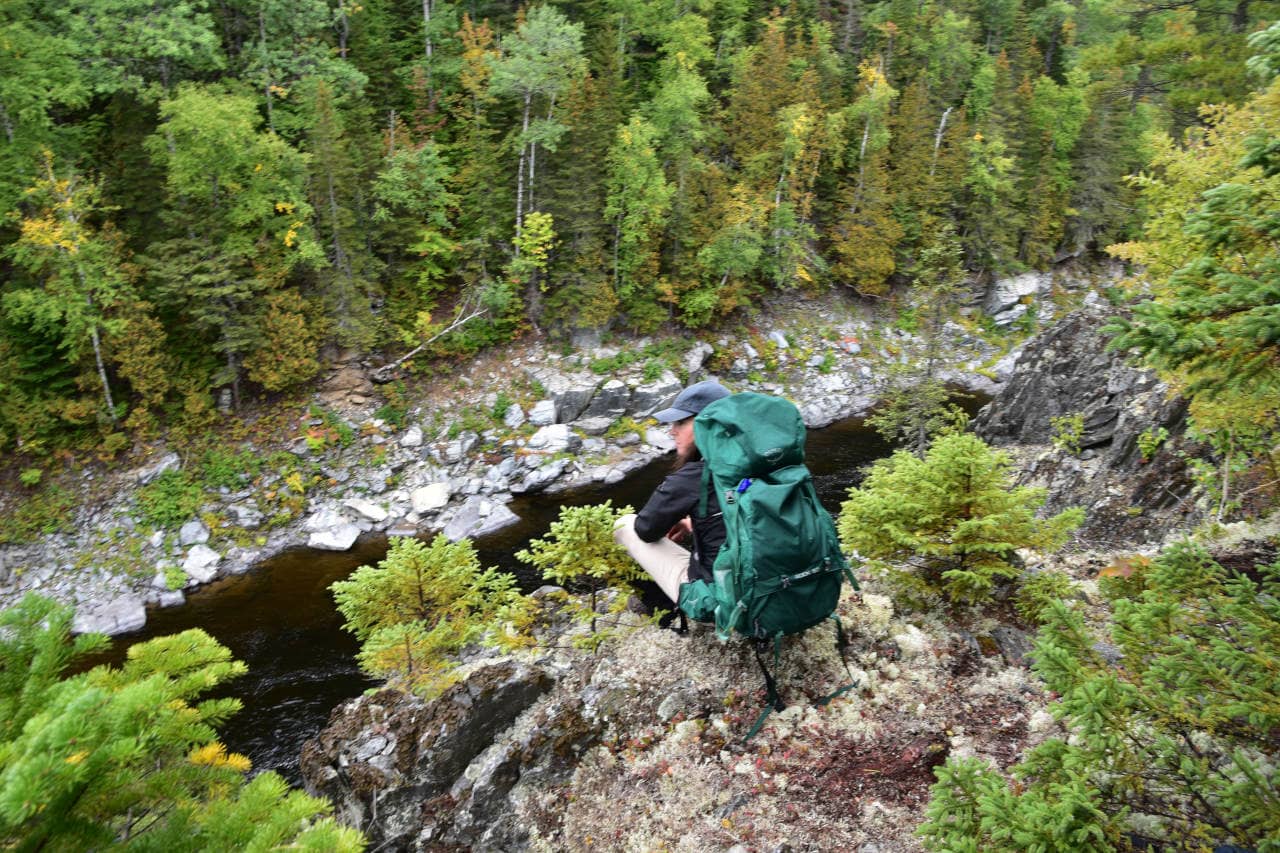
681,530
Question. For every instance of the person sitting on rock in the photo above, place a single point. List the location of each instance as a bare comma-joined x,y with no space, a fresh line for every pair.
657,536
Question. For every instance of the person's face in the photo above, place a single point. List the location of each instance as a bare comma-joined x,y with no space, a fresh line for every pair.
682,435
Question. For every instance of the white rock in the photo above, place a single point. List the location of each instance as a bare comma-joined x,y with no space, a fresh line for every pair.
339,538
543,413
118,616
513,417
430,498
201,564
1008,292
412,437
325,519
659,438
552,438
368,509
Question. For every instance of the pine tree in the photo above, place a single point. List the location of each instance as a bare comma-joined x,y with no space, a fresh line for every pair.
1172,742
947,525
125,757
422,603
579,548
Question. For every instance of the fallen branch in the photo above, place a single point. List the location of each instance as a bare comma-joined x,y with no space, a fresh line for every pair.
388,372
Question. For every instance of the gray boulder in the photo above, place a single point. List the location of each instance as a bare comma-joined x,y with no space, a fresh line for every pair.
192,533
117,616
611,400
543,413
338,538
201,564
478,516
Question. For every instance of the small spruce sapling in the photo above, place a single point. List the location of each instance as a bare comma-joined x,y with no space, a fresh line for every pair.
423,603
1172,743
579,548
947,525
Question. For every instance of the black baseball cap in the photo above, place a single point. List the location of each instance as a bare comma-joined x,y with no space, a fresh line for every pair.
692,400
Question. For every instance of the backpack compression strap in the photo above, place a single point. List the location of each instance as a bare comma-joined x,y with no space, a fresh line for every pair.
841,643
773,702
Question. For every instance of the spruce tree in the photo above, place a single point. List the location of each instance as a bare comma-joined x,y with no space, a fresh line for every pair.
421,604
1171,742
947,525
127,757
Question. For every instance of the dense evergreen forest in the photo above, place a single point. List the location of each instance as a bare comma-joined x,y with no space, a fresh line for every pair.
201,194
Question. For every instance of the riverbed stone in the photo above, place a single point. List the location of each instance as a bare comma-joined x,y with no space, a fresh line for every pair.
430,498
610,400
367,509
554,438
339,538
543,413
659,438
593,426
412,437
192,533
201,564
115,616
168,462
513,417
649,397
696,357
248,516
478,516
540,477
1008,292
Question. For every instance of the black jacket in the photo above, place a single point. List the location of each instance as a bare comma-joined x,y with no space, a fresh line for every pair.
676,497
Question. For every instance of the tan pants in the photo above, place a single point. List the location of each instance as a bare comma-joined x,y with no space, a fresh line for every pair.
665,561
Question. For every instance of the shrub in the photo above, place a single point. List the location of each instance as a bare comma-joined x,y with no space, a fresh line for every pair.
579,550
947,525
225,468
48,511
421,604
30,477
1037,592
1172,746
129,757
170,499
1068,432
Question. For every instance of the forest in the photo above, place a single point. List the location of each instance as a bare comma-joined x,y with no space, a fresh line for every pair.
200,197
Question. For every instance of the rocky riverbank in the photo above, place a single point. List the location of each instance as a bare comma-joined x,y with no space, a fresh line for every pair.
527,418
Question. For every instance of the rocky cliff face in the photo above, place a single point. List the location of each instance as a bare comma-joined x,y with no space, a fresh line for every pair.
1068,371
639,745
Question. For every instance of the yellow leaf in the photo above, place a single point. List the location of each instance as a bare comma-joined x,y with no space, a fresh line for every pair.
77,757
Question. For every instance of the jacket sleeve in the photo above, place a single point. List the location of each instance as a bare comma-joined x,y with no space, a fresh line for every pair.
675,497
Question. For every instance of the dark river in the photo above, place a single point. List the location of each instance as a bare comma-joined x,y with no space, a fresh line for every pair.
280,620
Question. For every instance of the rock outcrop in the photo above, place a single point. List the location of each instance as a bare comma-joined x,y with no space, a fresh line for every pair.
1068,371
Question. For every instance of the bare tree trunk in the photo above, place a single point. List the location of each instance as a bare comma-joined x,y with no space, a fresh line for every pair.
426,29
937,139
266,86
97,357
524,147
344,31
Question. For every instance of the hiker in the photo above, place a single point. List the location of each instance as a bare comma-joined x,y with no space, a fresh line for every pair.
669,538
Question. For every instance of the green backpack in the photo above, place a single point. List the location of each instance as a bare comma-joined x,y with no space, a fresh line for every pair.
780,569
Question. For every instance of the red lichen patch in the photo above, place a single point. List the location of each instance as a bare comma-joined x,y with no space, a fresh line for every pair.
843,771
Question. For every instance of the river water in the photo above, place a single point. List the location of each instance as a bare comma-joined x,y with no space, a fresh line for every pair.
279,618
